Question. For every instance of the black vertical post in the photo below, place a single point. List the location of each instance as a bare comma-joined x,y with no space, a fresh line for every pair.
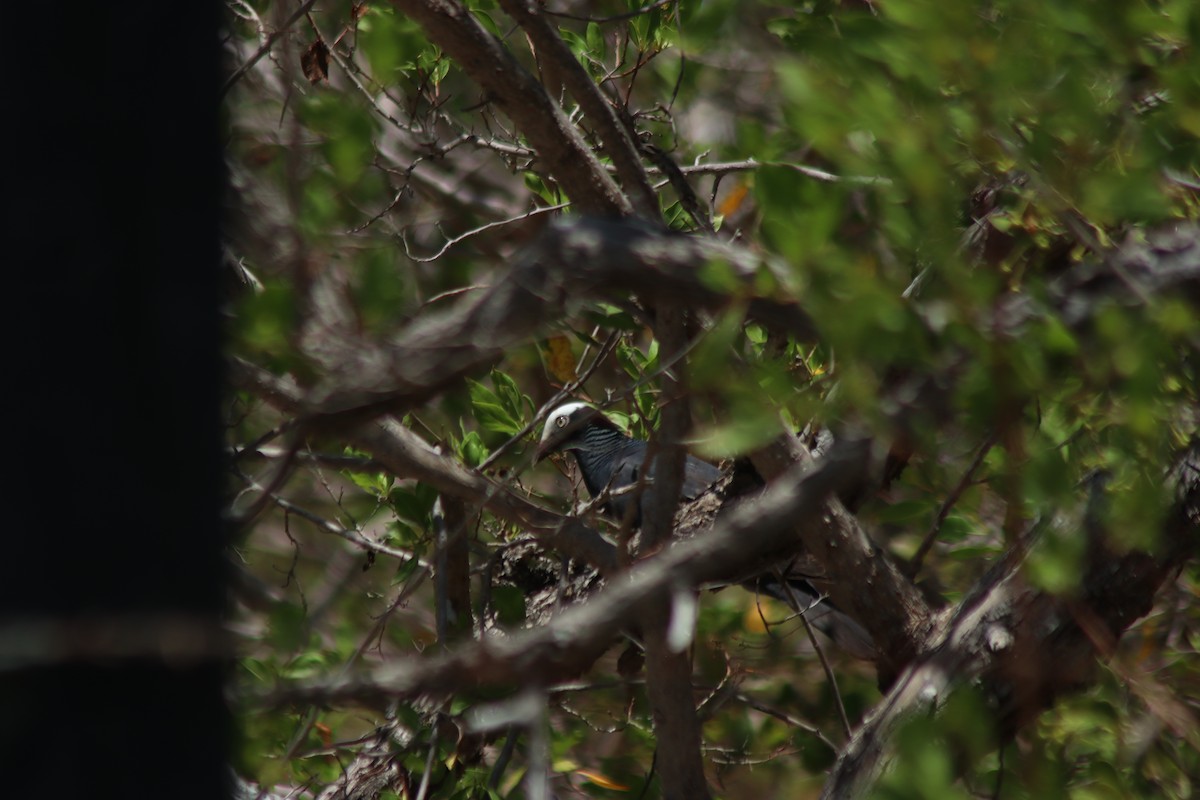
111,576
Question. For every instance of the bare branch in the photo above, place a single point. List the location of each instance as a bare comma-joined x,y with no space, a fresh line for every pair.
452,574
406,455
1028,646
558,143
572,259
678,757
573,640
750,164
880,597
356,538
467,235
615,138
812,637
914,563
266,46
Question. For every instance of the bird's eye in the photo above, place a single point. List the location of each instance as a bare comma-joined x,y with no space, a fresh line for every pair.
561,422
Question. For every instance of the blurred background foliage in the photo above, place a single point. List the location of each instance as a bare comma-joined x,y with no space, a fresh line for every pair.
911,164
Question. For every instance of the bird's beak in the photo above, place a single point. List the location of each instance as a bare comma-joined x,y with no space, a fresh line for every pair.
546,446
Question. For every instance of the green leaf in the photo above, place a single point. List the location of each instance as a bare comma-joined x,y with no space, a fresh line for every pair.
514,402
509,603
907,511
956,528
288,630
491,411
1056,563
744,433
347,134
413,502
595,40
472,450
377,484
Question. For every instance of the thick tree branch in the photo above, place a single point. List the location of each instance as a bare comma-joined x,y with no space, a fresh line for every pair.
406,455
667,448
575,638
678,757
571,261
614,137
1027,646
567,157
880,597
452,571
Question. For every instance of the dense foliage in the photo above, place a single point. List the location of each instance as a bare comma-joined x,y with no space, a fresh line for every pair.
931,183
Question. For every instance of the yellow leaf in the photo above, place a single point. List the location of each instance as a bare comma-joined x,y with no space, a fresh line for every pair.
559,358
600,780
733,200
759,612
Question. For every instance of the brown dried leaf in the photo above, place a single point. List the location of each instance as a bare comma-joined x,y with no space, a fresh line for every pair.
315,62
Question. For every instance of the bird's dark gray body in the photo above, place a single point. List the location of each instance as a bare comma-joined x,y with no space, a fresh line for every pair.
610,460
624,465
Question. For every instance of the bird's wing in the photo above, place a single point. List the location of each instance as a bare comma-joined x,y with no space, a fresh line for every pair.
697,476
627,467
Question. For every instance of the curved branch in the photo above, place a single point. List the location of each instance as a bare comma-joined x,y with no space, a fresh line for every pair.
1027,646
573,259
404,454
881,597
573,640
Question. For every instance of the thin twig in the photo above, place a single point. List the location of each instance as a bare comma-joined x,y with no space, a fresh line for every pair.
266,46
281,473
553,402
433,742
450,242
374,633
914,564
273,433
812,636
354,537
335,460
637,12
750,164
784,717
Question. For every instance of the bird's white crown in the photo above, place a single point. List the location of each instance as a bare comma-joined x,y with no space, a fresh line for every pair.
560,417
